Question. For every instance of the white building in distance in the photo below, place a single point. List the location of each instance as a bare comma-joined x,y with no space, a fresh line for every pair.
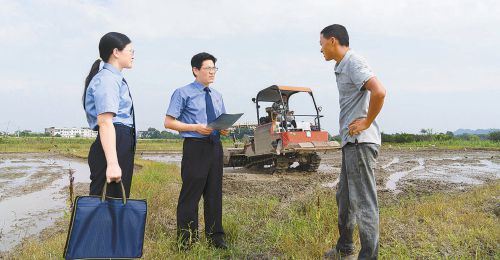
70,132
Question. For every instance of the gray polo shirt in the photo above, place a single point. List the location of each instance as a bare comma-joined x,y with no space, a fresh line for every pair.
352,72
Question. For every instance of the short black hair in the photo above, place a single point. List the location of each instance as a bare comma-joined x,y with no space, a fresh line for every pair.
338,31
199,58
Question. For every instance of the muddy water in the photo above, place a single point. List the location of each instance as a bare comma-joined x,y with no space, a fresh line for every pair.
163,157
454,169
395,177
394,168
33,193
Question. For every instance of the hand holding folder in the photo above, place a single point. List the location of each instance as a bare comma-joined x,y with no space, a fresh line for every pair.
224,121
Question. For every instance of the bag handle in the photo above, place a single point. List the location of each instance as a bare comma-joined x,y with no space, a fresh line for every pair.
103,196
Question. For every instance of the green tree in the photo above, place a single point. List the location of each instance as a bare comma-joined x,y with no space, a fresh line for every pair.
494,136
152,133
404,138
169,135
387,138
241,131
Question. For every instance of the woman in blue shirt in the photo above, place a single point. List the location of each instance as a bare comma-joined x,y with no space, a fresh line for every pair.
110,111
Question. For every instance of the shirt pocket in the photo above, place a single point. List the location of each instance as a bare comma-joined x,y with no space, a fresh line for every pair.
193,108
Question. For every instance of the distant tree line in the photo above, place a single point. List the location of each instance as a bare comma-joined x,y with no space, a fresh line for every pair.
429,135
494,136
25,133
153,133
239,133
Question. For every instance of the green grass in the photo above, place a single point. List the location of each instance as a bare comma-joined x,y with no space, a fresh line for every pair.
43,144
465,225
462,225
80,146
77,145
453,144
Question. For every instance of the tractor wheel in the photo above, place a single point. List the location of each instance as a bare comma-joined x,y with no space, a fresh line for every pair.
280,164
312,163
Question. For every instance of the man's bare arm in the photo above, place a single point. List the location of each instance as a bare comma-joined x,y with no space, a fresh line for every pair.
172,123
377,96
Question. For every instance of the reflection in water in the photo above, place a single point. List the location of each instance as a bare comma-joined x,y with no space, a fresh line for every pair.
395,177
30,212
448,170
395,160
164,157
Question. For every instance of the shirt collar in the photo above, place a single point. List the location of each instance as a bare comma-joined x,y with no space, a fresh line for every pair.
112,69
199,86
339,66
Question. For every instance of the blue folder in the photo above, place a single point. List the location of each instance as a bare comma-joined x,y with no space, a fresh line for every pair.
104,227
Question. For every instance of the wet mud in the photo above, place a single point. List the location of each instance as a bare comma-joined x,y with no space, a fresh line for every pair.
34,193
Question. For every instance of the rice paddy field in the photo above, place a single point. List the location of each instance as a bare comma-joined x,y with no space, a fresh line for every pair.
437,201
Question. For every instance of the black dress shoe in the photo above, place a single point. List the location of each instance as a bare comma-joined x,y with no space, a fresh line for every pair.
218,242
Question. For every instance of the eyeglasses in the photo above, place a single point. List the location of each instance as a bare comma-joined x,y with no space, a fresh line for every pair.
211,69
132,51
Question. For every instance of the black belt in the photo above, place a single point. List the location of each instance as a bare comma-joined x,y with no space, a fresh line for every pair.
200,139
130,129
355,142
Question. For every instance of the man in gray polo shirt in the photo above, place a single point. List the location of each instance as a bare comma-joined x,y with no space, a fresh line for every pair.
361,97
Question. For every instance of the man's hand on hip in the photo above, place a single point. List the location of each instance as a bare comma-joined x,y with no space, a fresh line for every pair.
358,125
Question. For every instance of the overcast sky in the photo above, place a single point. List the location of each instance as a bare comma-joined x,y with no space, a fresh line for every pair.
439,60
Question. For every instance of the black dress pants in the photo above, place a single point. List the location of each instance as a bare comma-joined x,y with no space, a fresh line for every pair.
201,172
125,150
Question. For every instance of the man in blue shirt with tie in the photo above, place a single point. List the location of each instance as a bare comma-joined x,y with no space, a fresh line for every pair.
191,108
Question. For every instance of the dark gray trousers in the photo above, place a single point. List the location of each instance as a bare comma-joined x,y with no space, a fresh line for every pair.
125,151
357,200
201,172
